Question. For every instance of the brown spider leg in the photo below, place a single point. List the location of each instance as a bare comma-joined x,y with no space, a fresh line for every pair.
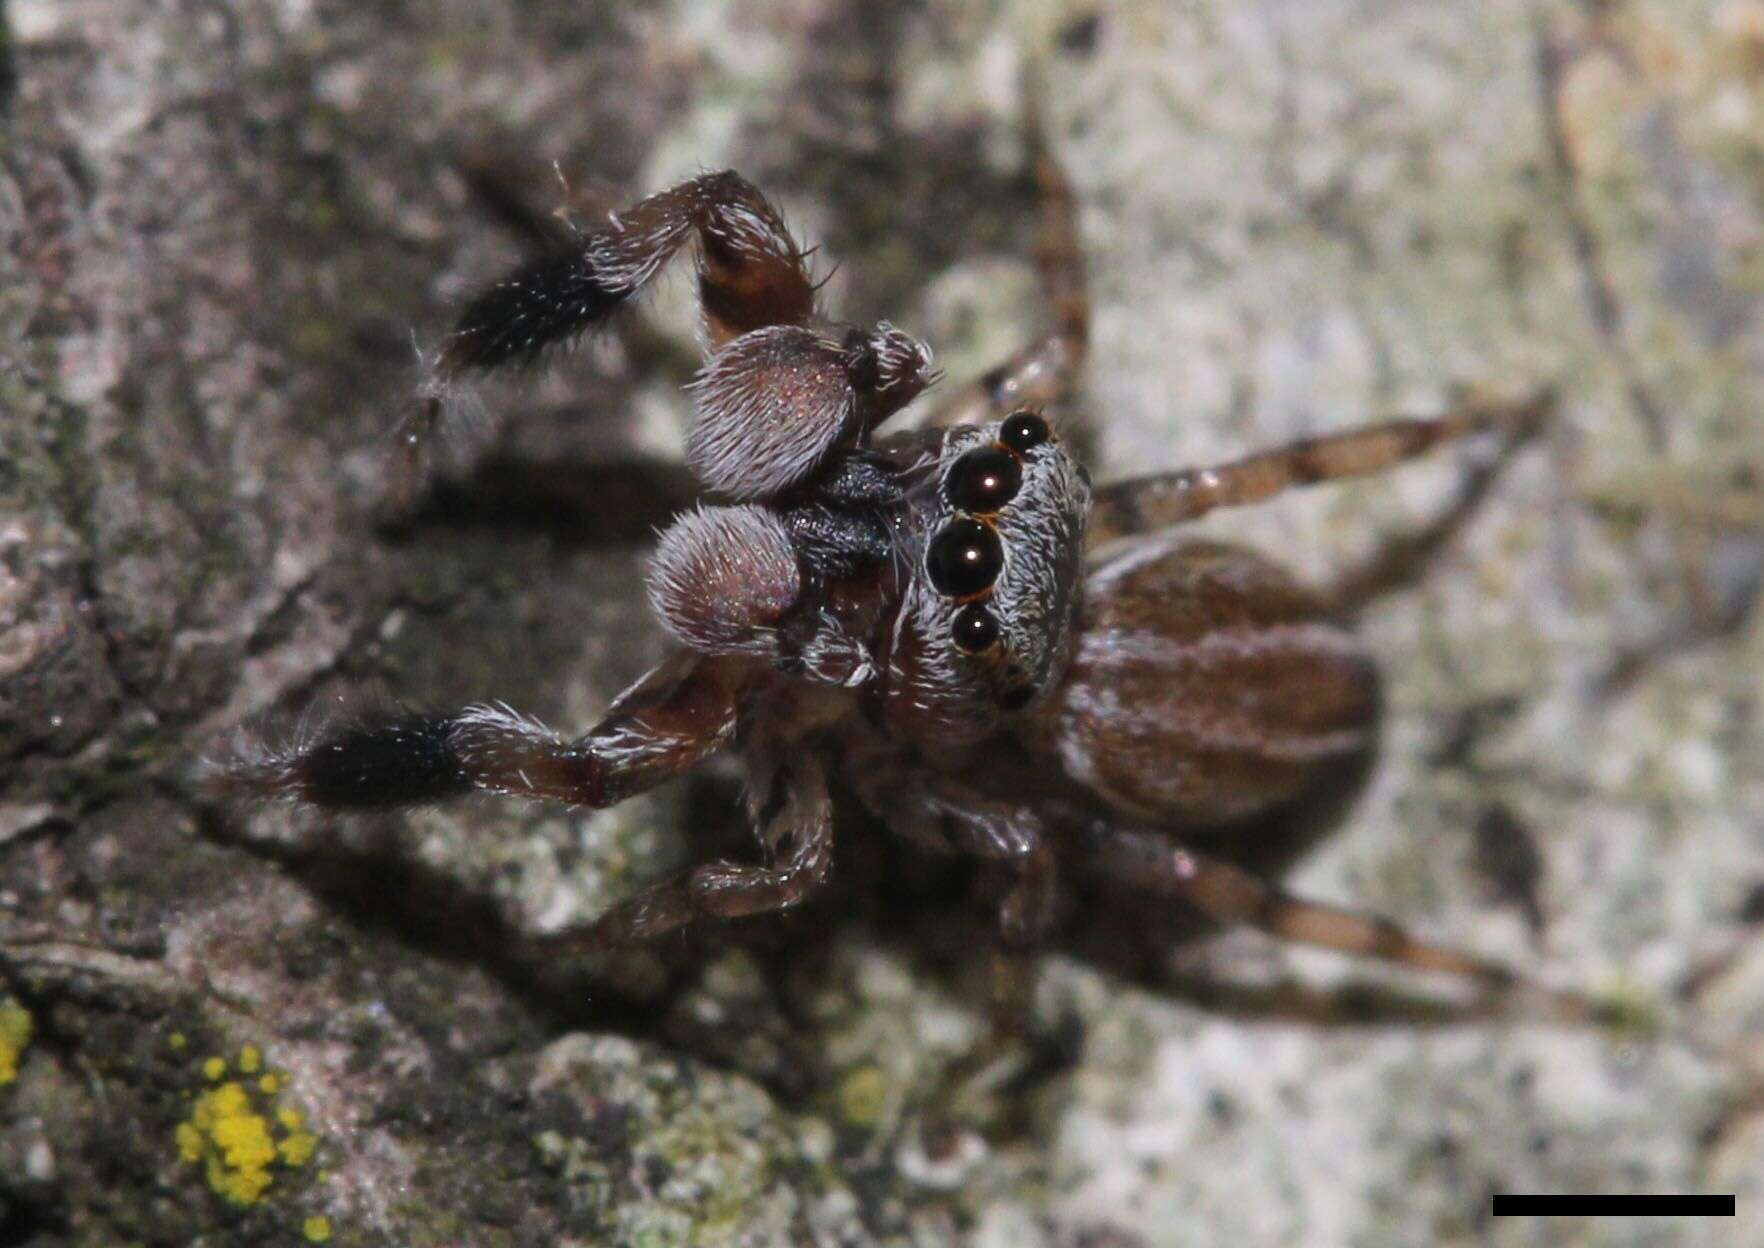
683,710
798,833
1400,558
751,274
1044,371
780,389
1026,914
1230,895
944,815
1012,839
1143,504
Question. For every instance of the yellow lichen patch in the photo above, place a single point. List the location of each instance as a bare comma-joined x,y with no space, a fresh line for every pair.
15,1034
316,1229
189,1138
240,1136
227,1132
297,1149
299,1144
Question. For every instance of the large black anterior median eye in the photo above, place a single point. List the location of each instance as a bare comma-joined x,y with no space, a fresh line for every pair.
964,558
1023,430
984,479
974,629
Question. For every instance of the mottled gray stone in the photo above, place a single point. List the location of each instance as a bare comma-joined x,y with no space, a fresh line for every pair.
224,225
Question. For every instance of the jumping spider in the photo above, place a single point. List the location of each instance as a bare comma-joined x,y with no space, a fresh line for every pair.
950,622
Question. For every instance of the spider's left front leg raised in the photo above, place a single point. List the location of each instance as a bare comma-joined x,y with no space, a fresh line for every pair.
782,388
752,276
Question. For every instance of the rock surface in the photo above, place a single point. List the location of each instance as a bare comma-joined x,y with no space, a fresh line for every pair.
224,226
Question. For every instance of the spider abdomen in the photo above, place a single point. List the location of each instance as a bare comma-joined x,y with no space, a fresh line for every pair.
1208,687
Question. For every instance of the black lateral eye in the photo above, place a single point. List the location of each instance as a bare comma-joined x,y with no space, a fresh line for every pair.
984,479
1023,430
974,629
964,558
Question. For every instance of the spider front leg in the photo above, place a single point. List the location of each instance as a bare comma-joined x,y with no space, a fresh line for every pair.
781,389
1151,861
796,828
751,274
683,710
1143,504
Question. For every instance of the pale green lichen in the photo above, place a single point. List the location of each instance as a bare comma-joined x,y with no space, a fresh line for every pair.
863,1094
15,1035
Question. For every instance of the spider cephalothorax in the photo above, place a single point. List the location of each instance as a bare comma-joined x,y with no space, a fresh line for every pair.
986,615
928,620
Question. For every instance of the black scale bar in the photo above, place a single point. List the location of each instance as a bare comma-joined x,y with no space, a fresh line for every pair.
1615,1206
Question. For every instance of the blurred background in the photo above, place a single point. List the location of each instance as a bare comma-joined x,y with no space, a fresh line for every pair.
229,228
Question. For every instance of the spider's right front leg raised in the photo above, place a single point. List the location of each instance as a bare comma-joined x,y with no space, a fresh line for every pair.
782,387
751,274
681,711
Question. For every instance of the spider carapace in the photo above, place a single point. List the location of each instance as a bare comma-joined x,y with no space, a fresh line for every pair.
948,622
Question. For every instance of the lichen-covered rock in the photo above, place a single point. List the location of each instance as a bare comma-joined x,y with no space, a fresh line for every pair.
223,228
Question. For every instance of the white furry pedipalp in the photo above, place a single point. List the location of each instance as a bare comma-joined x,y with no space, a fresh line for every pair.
723,577
771,404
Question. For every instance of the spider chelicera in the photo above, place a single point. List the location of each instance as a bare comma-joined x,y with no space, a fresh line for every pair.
948,623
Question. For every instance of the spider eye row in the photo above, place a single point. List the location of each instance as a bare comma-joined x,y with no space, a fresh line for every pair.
984,479
1023,431
965,557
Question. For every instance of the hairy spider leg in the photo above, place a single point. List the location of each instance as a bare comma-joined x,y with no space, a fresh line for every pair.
944,814
1230,895
795,816
1045,370
1400,558
1143,504
683,710
781,387
751,274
